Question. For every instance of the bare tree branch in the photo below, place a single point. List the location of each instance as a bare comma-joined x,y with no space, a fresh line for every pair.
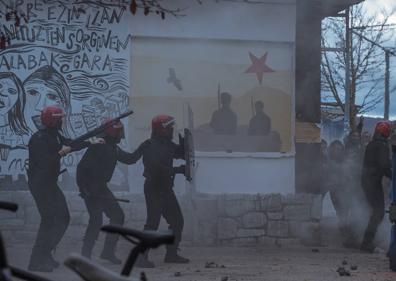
367,60
158,7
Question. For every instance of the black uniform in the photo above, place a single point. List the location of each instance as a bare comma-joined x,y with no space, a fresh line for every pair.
159,172
44,168
376,165
94,171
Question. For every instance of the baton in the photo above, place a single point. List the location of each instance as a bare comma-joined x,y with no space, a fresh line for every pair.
106,198
123,200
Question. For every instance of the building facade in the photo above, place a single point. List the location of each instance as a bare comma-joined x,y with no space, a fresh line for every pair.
95,59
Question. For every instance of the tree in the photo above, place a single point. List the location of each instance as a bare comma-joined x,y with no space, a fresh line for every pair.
158,7
367,62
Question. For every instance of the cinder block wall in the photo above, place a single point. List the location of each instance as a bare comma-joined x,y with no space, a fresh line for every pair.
226,219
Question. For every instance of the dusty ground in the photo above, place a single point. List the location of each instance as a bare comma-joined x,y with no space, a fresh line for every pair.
248,263
244,263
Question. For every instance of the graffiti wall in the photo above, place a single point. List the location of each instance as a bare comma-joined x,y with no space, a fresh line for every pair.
68,53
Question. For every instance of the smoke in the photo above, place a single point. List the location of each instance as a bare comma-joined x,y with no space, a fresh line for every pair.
349,200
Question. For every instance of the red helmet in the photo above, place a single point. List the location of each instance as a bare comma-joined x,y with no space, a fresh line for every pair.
162,125
51,117
116,130
383,128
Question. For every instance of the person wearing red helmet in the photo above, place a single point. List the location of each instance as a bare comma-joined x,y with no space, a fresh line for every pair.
46,147
94,171
376,165
159,173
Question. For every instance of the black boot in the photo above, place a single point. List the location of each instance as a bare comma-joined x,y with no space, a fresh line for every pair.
367,244
111,257
172,257
109,248
367,247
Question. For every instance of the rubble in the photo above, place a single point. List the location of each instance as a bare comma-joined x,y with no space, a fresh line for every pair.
212,264
343,272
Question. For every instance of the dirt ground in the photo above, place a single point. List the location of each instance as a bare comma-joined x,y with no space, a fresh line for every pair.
248,263
242,263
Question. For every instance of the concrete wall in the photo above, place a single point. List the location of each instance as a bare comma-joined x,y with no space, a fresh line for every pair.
272,21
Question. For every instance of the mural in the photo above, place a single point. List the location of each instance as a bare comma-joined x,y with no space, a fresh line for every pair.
73,54
235,95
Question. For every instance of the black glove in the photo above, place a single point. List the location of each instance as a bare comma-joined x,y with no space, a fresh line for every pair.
180,170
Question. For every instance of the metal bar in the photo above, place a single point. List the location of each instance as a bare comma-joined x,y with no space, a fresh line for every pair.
347,73
373,26
391,52
386,97
132,257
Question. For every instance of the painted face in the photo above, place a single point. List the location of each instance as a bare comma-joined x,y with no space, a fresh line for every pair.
8,95
39,96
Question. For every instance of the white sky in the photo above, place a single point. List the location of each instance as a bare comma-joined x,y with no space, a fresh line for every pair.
376,6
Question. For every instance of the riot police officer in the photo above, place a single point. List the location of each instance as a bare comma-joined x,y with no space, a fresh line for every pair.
376,165
158,154
46,147
94,172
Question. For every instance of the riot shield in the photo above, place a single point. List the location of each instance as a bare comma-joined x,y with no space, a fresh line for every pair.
189,154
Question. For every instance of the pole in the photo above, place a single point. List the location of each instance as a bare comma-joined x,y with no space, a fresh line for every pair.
386,97
388,52
347,108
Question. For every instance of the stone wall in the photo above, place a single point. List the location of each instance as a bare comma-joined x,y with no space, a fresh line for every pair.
267,219
270,219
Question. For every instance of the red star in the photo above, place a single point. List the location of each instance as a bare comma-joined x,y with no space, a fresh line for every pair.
258,66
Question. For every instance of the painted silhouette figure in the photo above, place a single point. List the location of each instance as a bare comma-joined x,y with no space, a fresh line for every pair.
224,120
260,124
